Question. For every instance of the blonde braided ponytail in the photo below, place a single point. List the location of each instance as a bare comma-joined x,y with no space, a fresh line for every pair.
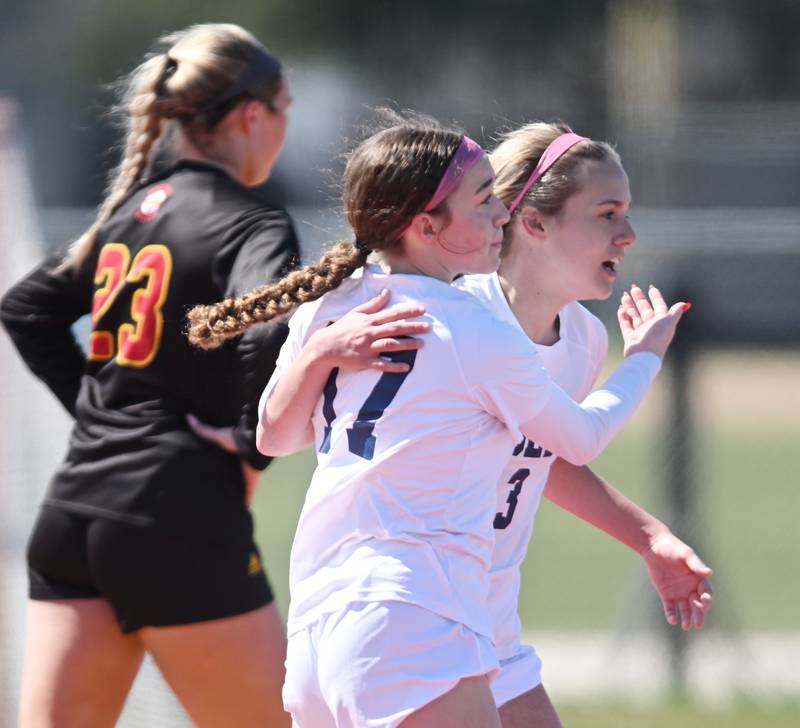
144,123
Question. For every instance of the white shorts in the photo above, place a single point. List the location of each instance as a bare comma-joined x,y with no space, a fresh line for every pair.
518,674
374,663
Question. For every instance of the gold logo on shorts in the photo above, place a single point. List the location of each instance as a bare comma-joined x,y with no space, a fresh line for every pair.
254,565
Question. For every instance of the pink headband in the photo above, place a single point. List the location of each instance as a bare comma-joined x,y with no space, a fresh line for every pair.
549,157
465,158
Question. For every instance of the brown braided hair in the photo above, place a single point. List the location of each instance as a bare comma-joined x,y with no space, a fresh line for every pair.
189,84
387,181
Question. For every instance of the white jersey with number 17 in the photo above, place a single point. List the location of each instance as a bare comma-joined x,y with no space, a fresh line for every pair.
398,507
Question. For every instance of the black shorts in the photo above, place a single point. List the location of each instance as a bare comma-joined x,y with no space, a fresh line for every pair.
151,576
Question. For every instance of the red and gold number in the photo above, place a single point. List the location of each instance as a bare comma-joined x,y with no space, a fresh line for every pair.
109,277
137,342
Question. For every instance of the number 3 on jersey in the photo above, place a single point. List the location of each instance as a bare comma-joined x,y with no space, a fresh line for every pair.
503,520
135,344
360,440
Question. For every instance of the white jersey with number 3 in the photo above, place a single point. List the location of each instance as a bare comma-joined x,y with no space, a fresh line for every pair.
574,363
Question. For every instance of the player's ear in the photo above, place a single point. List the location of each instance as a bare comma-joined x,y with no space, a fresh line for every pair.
248,114
426,226
533,222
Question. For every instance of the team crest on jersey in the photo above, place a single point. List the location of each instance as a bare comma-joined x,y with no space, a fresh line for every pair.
151,204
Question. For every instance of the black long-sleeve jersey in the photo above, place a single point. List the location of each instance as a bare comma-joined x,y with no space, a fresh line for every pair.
191,235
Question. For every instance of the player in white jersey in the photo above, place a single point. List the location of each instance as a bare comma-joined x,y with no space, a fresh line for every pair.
390,564
568,233
574,362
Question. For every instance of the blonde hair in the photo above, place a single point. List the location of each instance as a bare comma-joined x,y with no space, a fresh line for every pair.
195,82
388,179
517,154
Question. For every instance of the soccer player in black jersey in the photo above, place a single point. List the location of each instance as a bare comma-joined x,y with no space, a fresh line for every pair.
144,542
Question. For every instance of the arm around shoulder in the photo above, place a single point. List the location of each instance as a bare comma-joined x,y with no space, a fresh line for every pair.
288,402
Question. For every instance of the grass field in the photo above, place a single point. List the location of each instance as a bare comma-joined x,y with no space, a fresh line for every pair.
680,715
745,528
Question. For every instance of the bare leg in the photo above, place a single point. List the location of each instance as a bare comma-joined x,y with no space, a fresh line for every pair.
78,665
226,672
468,705
530,710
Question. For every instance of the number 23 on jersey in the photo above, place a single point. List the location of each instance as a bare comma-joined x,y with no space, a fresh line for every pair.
135,344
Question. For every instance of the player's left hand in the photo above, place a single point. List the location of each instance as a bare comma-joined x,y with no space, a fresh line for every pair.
646,322
220,436
223,437
681,580
361,338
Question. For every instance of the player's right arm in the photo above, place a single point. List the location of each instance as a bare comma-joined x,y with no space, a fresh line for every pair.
581,433
529,402
356,341
676,571
38,313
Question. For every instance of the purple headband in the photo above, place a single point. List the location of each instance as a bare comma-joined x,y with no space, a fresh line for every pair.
465,158
549,157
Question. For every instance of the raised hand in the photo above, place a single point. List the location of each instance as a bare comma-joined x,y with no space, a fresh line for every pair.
646,322
681,580
360,338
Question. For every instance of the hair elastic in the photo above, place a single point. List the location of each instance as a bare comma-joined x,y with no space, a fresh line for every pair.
170,66
550,156
263,68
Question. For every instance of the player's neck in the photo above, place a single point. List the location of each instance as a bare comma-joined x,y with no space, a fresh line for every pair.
412,265
535,309
187,150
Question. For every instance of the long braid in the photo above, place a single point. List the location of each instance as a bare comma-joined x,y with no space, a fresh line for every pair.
388,179
211,325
